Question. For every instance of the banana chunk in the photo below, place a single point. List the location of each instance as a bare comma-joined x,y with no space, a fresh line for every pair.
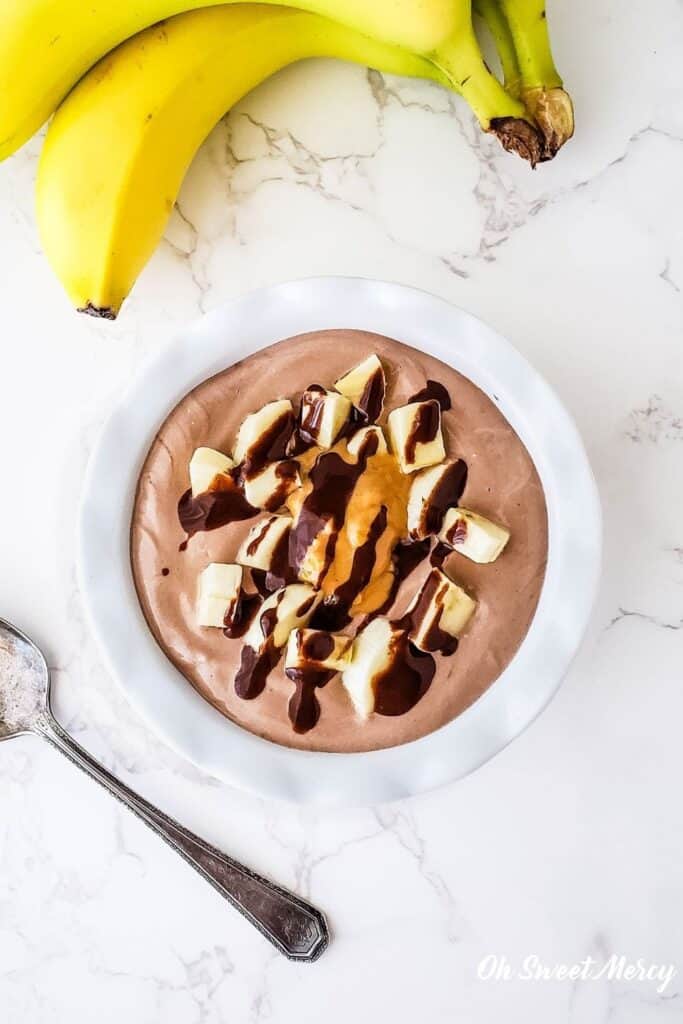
317,650
432,492
322,416
316,561
415,435
261,547
365,386
270,488
285,610
219,593
263,435
439,613
205,465
371,656
473,535
355,443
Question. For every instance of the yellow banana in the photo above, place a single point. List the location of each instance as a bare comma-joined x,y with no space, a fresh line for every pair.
46,46
118,147
461,62
541,87
491,12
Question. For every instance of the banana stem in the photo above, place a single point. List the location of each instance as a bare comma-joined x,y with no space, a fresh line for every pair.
497,25
460,60
541,84
529,28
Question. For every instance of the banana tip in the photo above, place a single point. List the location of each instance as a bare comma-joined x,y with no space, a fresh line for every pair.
518,136
101,312
553,112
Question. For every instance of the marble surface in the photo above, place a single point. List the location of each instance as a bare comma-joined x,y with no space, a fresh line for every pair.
569,844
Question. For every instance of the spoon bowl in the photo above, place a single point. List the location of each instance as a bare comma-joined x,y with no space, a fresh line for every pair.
24,683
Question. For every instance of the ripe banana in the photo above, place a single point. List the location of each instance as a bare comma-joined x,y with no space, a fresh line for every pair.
46,46
520,31
119,146
492,14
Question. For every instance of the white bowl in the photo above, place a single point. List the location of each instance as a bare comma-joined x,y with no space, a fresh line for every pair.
168,701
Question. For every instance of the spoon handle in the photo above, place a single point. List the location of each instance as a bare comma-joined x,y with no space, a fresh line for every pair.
293,926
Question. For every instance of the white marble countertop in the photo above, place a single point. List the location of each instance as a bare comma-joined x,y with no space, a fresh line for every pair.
570,843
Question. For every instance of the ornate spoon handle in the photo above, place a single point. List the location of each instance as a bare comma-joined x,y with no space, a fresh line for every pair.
293,926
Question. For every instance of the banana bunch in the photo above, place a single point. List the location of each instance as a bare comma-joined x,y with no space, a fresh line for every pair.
134,95
520,32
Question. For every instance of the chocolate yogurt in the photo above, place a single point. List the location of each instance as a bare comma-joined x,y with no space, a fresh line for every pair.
492,473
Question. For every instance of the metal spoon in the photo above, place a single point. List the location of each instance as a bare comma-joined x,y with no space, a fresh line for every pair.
297,929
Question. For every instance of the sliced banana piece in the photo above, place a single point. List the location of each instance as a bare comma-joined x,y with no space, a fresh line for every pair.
431,492
263,435
261,546
356,442
473,535
205,465
415,435
323,415
317,650
219,593
316,561
271,487
365,386
439,613
285,610
371,655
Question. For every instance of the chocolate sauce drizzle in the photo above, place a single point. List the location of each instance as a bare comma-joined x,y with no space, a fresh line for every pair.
406,680
212,509
433,389
411,670
439,554
408,677
371,402
263,581
457,534
425,427
446,494
333,480
238,619
286,472
311,414
271,446
256,665
306,433
435,638
280,572
303,707
258,538
406,557
225,502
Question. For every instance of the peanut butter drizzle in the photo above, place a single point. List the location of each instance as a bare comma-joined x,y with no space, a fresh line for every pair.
381,485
